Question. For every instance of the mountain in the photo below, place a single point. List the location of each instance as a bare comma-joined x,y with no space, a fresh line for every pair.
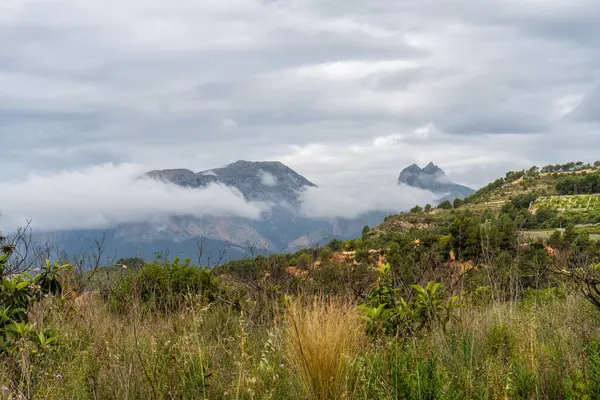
433,179
282,227
257,181
266,181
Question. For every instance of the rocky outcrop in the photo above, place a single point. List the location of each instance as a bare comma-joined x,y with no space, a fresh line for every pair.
434,179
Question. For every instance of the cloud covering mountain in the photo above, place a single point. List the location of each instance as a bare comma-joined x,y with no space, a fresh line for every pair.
107,195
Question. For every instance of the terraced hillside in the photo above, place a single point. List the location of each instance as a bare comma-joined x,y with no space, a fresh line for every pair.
582,202
532,189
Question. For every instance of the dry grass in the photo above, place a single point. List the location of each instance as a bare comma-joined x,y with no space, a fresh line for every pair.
316,350
322,345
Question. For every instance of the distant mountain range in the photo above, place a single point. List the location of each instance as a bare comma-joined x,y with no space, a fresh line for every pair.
282,227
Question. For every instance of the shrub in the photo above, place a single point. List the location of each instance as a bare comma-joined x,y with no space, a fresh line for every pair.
416,209
18,293
445,205
335,244
501,341
362,254
543,296
384,311
325,255
164,285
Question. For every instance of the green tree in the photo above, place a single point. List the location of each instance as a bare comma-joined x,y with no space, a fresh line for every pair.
366,229
570,234
428,208
335,244
416,209
445,205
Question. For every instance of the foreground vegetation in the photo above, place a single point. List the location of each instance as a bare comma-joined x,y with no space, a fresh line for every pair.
509,350
446,303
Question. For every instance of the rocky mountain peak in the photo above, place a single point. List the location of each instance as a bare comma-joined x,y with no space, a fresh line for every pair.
434,179
432,169
256,180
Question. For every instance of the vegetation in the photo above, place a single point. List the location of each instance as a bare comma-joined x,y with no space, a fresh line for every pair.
582,184
451,303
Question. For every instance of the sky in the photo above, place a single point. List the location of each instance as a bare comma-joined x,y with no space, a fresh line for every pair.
345,92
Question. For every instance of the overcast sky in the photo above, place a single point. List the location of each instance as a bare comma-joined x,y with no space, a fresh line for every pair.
340,90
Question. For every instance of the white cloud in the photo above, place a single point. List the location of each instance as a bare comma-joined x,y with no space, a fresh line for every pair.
106,195
228,124
352,200
267,179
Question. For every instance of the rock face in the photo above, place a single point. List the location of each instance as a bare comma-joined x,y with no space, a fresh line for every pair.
434,179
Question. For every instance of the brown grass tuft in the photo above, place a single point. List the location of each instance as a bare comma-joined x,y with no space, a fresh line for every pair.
322,345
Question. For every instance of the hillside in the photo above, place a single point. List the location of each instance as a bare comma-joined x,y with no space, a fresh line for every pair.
541,192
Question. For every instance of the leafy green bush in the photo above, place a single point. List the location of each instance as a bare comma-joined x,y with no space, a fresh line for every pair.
386,312
164,285
533,296
17,294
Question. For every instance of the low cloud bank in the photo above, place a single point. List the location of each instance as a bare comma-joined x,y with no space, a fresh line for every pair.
351,201
107,195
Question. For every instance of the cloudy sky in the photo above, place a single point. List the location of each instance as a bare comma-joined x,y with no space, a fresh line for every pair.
344,91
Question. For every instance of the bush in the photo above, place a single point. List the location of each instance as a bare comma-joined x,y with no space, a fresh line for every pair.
335,244
385,312
416,209
445,205
541,297
501,341
17,295
164,285
325,255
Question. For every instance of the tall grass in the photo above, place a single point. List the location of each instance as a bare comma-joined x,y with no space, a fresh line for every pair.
323,340
316,349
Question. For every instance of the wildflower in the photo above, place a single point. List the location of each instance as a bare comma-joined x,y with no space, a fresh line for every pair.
59,377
